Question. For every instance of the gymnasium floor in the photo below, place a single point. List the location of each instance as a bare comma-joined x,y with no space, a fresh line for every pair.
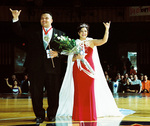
16,110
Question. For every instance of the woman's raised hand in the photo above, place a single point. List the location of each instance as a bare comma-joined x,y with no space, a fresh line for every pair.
107,24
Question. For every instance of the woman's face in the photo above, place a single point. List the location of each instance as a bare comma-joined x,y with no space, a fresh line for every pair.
83,33
15,83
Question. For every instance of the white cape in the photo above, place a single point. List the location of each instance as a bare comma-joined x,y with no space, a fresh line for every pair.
105,103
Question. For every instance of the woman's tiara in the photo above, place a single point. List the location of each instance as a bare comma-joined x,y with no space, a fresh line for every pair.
84,25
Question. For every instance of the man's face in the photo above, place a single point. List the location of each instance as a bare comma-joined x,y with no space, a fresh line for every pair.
135,77
46,20
13,77
145,78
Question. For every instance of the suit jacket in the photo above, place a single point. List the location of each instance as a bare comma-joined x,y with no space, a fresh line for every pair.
36,59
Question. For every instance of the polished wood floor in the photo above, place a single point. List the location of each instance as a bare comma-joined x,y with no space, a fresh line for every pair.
17,110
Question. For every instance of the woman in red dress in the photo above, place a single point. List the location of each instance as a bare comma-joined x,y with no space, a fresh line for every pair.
84,108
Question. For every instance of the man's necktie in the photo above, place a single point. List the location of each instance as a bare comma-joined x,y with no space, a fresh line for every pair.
46,37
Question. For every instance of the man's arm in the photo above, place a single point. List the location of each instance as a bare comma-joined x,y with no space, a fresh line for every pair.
16,26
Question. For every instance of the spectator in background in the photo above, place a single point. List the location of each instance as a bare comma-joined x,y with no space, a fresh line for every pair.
131,77
133,71
109,70
108,79
121,84
136,82
126,76
11,82
124,70
128,88
118,77
25,84
15,88
115,84
12,79
146,85
128,65
141,77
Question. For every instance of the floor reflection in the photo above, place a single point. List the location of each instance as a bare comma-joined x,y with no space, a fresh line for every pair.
106,121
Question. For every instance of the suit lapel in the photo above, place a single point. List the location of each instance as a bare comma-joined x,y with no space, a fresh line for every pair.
53,35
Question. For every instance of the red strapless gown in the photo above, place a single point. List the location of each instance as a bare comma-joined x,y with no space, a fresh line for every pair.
84,108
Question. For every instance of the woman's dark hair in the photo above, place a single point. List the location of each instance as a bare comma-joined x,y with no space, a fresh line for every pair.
83,25
18,83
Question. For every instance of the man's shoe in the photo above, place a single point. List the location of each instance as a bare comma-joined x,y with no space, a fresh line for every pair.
51,119
39,120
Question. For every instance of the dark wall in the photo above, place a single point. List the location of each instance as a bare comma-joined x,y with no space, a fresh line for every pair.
119,33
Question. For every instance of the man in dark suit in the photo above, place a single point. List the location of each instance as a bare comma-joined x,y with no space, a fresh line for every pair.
43,69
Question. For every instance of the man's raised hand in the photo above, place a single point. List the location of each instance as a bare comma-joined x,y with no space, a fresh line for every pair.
15,14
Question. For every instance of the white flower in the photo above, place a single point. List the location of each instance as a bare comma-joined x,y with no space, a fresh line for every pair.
62,37
58,38
56,35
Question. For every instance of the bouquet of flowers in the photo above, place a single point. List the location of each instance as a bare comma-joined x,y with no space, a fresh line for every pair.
69,47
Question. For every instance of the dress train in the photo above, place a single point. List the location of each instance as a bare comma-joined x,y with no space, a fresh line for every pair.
105,103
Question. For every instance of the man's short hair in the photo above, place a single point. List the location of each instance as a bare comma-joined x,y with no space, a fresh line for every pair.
47,12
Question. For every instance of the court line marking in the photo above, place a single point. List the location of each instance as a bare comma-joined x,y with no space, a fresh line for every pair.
17,118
